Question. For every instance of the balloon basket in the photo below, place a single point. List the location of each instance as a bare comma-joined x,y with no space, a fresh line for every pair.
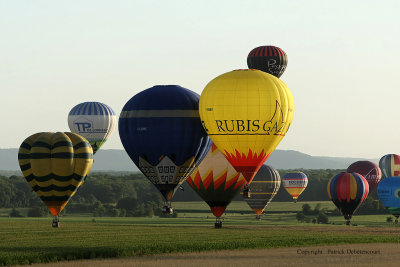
295,201
218,223
258,218
246,193
396,221
56,222
348,222
167,209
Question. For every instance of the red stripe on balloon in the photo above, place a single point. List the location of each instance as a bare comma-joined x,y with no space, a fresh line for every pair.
348,187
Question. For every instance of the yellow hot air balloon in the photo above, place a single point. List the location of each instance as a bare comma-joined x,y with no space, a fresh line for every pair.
246,113
55,166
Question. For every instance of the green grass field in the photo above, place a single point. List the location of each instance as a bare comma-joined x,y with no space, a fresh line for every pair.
31,240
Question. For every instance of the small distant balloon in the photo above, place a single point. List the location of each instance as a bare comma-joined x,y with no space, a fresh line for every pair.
347,191
369,170
295,183
93,120
268,58
390,165
264,187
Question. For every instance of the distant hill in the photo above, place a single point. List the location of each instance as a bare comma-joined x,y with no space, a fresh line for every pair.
118,160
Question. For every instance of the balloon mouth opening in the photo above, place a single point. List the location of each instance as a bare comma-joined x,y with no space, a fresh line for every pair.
218,211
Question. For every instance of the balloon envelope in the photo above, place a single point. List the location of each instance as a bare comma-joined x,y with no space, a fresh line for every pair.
390,165
389,194
295,183
161,131
216,181
263,188
55,165
270,59
246,113
369,170
93,120
347,191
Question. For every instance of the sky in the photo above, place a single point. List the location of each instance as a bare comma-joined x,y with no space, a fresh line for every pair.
343,62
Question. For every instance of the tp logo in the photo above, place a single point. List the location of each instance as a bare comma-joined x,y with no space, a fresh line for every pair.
83,125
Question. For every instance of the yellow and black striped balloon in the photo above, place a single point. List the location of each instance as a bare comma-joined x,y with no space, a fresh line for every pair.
55,165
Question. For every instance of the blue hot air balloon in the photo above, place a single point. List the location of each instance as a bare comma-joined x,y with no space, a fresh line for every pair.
161,131
389,195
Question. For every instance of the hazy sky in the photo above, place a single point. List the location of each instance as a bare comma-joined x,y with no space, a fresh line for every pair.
343,67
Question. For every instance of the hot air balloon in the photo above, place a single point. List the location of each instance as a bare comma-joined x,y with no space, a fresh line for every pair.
295,183
55,165
369,170
93,120
264,187
216,182
389,195
347,191
390,165
270,59
246,113
161,131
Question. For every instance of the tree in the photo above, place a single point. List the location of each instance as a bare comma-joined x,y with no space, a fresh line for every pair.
300,216
322,218
129,204
15,213
317,208
99,210
38,211
306,209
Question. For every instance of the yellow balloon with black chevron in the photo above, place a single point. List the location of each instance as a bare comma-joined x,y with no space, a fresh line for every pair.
55,166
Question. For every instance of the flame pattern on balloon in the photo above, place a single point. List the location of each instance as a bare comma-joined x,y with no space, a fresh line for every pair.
246,113
216,181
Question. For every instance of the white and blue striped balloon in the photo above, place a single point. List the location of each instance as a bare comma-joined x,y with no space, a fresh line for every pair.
93,120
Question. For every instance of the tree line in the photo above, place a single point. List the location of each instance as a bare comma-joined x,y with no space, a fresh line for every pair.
131,194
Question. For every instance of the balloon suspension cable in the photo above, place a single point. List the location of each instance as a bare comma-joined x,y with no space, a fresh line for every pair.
218,223
56,222
167,208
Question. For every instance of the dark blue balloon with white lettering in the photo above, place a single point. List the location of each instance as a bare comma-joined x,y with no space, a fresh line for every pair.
389,194
161,130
